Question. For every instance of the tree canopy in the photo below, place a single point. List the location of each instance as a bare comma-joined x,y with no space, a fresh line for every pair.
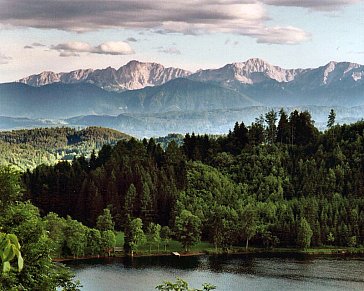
252,186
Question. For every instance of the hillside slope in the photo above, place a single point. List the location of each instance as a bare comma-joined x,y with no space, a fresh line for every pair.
28,148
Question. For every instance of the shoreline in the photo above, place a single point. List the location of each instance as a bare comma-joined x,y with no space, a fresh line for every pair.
253,251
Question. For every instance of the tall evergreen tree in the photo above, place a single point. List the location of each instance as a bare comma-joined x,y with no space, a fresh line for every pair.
331,119
271,119
283,129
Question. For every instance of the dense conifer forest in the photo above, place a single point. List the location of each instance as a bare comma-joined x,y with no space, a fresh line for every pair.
277,182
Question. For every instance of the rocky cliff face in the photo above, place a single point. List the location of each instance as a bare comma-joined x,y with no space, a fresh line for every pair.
253,71
134,75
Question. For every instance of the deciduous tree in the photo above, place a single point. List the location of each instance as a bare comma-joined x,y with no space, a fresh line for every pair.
188,229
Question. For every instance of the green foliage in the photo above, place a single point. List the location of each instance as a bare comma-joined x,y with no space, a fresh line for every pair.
330,238
95,243
108,240
166,235
105,221
154,233
284,130
181,285
250,186
10,189
172,137
248,222
331,119
134,178
9,249
130,200
304,234
23,221
119,237
271,119
76,237
55,227
134,234
27,148
188,229
352,241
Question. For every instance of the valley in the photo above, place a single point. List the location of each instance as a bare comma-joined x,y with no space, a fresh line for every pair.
151,100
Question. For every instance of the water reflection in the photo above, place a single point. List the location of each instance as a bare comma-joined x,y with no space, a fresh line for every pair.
233,272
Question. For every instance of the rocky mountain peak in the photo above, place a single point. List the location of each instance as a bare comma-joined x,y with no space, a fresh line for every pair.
341,71
252,71
133,75
137,75
254,65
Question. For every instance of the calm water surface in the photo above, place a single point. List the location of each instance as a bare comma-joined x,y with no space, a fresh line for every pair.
235,272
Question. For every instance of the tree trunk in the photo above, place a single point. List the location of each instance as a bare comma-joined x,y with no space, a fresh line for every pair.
247,244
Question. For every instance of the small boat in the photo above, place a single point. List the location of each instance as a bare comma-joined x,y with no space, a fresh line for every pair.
176,254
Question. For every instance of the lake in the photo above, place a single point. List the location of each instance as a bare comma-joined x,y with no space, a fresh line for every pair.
233,272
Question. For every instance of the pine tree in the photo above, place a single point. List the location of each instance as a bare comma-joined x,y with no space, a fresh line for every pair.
331,119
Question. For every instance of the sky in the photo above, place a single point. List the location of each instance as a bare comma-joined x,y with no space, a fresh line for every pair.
65,35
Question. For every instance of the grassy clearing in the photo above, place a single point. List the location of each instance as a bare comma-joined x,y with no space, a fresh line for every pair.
120,239
333,250
208,248
172,246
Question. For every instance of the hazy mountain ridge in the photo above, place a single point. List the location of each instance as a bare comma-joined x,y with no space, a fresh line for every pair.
211,121
184,95
56,100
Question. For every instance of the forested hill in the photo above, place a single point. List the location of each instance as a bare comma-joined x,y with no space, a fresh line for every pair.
31,147
277,182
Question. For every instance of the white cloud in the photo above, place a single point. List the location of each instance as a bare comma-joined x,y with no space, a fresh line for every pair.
113,48
74,48
323,5
4,59
192,17
283,35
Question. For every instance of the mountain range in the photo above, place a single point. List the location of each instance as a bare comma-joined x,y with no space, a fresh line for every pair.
137,75
134,75
256,81
148,94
